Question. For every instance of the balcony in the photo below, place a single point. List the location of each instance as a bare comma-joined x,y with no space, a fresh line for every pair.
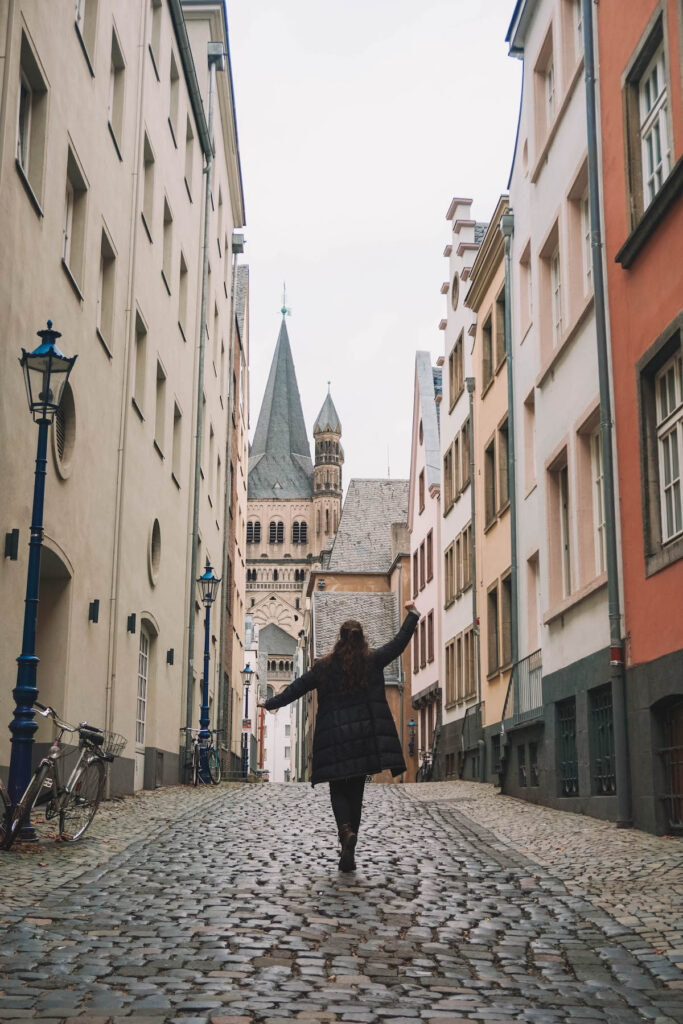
472,730
524,700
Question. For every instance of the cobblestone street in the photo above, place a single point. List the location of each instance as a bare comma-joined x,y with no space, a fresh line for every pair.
227,906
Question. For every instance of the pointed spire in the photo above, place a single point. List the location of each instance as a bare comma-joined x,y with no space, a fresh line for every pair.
328,417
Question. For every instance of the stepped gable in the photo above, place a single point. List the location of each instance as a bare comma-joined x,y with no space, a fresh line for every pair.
376,613
280,463
429,385
364,538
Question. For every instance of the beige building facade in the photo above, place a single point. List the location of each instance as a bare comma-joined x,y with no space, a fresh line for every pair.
104,139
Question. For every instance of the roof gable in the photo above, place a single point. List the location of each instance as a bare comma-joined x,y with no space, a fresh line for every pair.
364,538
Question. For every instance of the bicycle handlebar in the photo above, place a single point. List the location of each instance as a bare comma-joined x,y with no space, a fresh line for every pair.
47,712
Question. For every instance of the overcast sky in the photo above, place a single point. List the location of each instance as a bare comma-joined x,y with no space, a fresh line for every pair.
358,121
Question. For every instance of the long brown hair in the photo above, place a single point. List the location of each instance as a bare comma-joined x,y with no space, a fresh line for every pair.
350,655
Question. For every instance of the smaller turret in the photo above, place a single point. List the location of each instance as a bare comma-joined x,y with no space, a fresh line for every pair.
327,473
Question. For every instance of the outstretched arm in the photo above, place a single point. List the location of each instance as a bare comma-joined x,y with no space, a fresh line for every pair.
296,689
386,654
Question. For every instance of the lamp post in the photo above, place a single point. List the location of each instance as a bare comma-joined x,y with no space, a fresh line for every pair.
46,371
412,727
208,588
246,673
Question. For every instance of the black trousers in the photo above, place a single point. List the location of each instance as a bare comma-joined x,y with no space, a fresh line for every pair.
347,801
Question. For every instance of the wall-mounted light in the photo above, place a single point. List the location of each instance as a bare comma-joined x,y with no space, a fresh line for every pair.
12,545
94,611
131,623
170,653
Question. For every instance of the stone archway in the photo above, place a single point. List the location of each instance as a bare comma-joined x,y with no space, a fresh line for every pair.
53,634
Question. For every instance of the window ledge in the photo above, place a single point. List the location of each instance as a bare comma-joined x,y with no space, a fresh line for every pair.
187,188
648,223
157,449
449,604
172,130
146,225
72,280
115,141
490,524
666,555
154,62
574,599
448,509
137,408
499,366
182,332
504,508
29,188
165,280
493,674
525,332
530,491
554,128
567,339
488,385
103,343
84,49
175,480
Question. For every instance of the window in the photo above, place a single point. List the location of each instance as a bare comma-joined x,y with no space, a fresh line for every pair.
86,23
276,532
559,529
487,351
534,779
430,555
490,482
506,620
415,574
177,442
521,765
143,677
211,481
544,92
598,480
155,41
166,267
459,668
556,297
601,728
449,575
492,629
526,306
116,94
430,636
31,121
654,135
669,391
448,480
457,474
500,328
422,565
466,575
423,643
140,363
416,652
148,186
105,292
568,756
550,91
174,92
253,532
586,245
449,663
465,454
503,484
421,486
529,429
189,156
468,655
73,246
565,528
182,296
456,377
160,409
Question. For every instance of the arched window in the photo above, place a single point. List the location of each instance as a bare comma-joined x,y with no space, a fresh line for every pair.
280,533
250,532
277,532
303,533
295,533
282,666
317,521
272,533
327,520
257,532
275,574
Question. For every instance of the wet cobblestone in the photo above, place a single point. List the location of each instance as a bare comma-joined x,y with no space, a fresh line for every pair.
226,906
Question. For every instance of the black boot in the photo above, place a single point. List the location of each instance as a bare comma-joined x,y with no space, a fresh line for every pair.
347,838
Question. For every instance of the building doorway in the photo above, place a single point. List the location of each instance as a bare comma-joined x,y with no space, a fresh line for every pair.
671,722
52,636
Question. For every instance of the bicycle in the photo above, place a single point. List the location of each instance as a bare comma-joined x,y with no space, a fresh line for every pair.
5,812
424,772
205,764
77,800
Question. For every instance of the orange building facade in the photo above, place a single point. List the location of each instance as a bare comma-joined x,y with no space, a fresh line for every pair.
641,115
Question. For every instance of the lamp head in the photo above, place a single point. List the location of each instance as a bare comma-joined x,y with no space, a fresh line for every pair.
208,585
46,371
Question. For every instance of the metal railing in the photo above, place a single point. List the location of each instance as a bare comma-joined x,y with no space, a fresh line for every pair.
472,727
524,699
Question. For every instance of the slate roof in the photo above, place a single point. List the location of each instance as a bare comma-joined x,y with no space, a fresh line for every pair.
363,541
328,418
273,640
480,229
430,421
241,293
376,612
280,463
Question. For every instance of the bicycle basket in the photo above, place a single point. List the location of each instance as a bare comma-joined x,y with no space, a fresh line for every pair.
113,743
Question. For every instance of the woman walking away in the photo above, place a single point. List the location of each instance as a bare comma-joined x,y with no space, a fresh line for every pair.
355,734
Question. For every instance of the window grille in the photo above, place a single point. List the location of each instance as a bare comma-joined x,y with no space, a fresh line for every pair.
495,753
569,761
602,741
60,430
533,764
295,533
257,532
672,757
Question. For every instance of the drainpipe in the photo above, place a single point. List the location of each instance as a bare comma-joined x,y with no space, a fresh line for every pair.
507,226
616,645
469,381
215,58
401,677
221,717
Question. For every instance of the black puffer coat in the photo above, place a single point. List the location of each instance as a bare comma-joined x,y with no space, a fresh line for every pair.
355,732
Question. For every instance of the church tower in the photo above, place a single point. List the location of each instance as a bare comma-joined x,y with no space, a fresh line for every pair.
327,473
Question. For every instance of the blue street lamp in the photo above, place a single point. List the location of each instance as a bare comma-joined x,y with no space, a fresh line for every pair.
46,371
246,674
208,588
412,727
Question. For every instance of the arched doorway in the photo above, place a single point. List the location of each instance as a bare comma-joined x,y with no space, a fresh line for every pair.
52,634
145,712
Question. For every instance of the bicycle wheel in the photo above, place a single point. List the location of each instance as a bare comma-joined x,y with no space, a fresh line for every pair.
214,765
5,815
82,801
22,812
195,765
